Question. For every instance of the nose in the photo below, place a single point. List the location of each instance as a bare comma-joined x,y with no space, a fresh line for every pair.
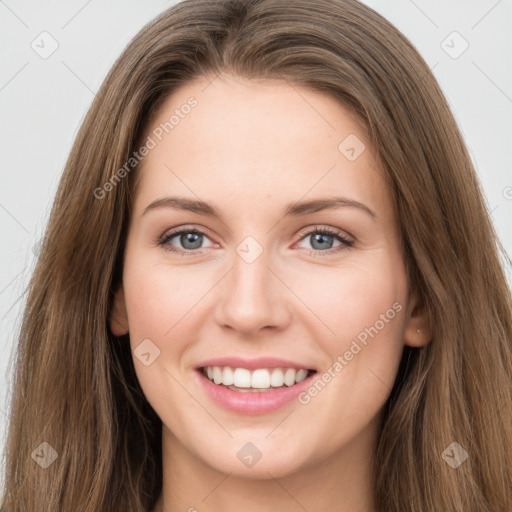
252,297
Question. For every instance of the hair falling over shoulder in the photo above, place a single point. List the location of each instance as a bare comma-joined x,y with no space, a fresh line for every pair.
74,385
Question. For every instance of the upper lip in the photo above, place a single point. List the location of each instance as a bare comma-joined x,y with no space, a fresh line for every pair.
253,364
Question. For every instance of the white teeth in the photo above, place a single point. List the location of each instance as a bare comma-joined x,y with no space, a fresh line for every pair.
289,377
262,378
301,375
277,378
242,378
217,375
227,376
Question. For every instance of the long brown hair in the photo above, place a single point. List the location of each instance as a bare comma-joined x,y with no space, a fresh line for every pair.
74,385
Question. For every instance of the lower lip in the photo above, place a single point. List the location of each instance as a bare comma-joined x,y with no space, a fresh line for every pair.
252,402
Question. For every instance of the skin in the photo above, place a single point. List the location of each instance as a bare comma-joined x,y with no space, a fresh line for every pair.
250,148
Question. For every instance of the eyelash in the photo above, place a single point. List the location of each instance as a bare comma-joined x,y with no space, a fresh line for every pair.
346,243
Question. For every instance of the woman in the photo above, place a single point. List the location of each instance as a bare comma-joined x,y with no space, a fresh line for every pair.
254,372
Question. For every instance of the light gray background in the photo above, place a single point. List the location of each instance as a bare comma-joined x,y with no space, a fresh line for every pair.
43,101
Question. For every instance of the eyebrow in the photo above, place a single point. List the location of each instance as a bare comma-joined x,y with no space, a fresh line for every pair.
293,209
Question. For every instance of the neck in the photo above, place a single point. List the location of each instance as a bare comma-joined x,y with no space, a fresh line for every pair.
340,482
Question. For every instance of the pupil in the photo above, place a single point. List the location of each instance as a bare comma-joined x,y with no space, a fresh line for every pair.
193,238
320,237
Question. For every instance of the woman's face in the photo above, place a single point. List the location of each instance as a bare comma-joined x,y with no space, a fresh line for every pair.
287,266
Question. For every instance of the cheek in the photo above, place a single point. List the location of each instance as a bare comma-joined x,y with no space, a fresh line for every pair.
352,298
158,297
161,302
364,309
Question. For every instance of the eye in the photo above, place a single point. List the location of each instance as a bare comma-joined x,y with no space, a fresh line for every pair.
190,239
322,239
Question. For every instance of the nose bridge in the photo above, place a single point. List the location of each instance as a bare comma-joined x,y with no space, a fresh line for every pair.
252,297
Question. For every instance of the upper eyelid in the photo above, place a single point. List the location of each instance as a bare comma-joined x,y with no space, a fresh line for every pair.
331,230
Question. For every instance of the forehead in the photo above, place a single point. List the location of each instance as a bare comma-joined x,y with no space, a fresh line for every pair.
228,139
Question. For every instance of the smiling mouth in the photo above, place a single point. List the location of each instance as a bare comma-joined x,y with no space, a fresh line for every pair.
254,381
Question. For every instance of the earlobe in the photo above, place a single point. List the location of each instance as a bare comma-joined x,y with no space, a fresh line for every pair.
418,331
118,316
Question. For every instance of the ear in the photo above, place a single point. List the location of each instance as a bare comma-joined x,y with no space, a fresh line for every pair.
418,331
118,316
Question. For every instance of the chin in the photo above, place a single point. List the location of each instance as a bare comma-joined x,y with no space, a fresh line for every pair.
256,458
